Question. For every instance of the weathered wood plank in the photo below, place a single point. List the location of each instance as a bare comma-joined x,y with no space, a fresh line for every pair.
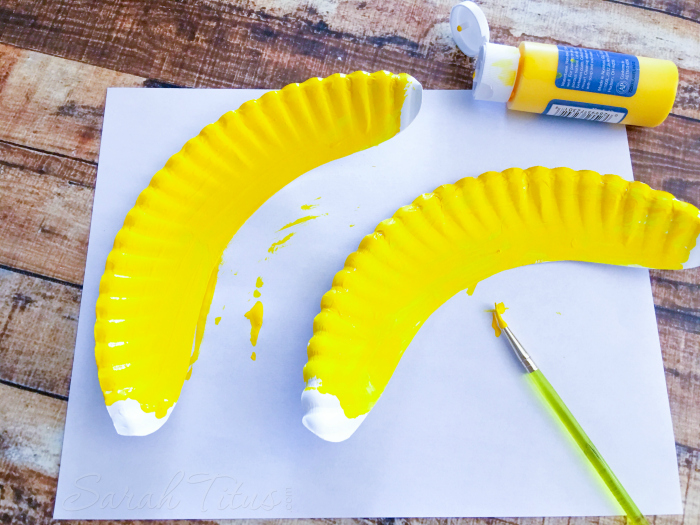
687,9
668,157
45,209
31,435
255,44
220,44
680,336
38,325
52,104
672,293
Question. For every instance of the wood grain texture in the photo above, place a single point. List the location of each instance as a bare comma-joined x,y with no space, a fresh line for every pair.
31,435
51,106
687,10
54,105
39,359
44,213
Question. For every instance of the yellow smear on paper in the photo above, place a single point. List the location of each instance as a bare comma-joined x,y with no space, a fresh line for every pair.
298,221
259,282
256,293
217,320
507,74
277,245
463,233
309,206
253,356
201,321
498,323
255,316
160,275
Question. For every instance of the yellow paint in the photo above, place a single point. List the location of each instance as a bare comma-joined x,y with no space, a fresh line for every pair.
558,313
253,356
462,233
498,323
298,221
277,245
534,87
259,282
256,293
217,320
507,75
160,275
459,28
309,206
255,316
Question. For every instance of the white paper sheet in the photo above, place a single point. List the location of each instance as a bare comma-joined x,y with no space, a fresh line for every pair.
457,431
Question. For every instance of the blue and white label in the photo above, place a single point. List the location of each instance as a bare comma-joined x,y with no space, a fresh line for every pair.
596,71
585,111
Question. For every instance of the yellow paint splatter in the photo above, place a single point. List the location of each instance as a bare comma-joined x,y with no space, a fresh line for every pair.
277,245
299,221
558,313
309,206
459,28
255,316
256,294
259,282
352,225
217,320
253,356
498,323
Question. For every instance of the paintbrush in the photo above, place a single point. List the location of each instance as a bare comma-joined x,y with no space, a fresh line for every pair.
543,386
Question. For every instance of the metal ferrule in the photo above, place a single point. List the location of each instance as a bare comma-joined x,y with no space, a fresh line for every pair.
524,357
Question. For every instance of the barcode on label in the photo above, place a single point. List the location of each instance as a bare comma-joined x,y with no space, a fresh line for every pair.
597,115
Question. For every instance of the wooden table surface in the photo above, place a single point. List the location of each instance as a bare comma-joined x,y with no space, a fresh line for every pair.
57,58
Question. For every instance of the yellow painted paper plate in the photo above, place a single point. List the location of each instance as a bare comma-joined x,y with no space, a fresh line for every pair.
460,234
160,275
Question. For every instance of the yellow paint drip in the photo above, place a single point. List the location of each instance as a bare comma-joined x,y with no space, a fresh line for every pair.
160,275
309,206
217,320
255,316
256,293
498,323
462,233
298,221
277,245
259,282
253,356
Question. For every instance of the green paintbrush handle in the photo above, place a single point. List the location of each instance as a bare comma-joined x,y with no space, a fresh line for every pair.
588,448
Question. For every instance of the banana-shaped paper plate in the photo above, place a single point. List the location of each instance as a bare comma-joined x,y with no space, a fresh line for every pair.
451,239
160,275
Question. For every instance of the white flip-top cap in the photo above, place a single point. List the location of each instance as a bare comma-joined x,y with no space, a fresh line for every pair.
469,27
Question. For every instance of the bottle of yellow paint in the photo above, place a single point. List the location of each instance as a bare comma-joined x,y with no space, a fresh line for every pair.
565,81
